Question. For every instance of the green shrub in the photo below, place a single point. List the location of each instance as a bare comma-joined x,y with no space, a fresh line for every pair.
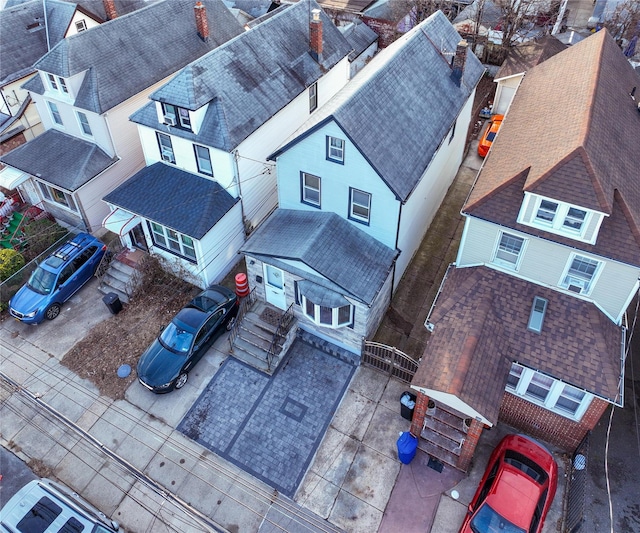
10,262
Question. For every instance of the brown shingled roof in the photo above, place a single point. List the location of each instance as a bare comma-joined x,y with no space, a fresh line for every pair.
527,55
574,130
480,328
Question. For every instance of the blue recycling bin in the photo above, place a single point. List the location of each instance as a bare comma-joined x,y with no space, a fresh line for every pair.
407,447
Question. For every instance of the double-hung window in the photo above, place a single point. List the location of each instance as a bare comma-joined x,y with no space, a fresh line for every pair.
335,149
84,123
310,189
560,218
57,196
173,241
176,116
313,97
166,147
548,392
57,83
580,274
55,113
359,205
509,250
203,160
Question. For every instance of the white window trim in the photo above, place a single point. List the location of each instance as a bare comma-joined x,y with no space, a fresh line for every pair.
552,397
52,113
339,150
305,187
313,97
84,133
557,226
198,159
592,282
81,25
506,264
167,248
46,192
57,84
334,314
355,216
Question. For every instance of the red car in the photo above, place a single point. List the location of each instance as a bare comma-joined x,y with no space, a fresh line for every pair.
516,490
489,135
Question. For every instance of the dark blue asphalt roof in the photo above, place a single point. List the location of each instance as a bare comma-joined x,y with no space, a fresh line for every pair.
187,203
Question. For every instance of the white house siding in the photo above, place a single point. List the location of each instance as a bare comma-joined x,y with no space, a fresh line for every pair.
359,62
544,262
422,205
309,156
345,337
258,178
505,91
77,16
216,252
221,161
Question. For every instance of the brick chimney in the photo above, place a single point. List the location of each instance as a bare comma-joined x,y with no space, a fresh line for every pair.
202,24
459,59
110,9
315,35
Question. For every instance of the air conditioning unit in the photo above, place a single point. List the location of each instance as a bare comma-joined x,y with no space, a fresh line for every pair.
170,120
167,155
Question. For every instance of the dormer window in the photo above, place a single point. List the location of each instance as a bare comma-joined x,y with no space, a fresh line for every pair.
176,116
81,25
57,83
560,218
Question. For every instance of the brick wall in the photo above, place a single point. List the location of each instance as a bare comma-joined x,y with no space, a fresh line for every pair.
545,425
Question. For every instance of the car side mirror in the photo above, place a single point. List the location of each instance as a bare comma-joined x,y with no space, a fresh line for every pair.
470,509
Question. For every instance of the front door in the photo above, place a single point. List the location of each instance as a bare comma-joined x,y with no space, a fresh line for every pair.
274,287
137,238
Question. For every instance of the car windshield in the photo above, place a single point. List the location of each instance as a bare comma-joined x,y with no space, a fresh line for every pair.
41,281
487,520
176,339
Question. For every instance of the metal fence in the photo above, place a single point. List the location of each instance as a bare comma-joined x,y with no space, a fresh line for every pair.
11,285
577,481
389,360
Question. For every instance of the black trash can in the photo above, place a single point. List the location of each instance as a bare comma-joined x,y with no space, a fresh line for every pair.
407,404
112,300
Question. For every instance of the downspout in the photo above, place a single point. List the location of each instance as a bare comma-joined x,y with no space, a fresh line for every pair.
395,262
46,26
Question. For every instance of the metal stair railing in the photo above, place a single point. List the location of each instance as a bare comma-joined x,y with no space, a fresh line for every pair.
245,306
113,248
279,335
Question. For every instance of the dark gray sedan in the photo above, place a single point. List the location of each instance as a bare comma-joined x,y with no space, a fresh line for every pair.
165,365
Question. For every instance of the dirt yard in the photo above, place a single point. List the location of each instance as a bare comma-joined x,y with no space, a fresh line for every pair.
122,338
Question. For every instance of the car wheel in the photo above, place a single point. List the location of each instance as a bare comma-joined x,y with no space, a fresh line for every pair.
231,323
52,311
182,380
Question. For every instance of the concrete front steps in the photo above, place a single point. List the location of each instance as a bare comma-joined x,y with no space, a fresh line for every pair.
117,279
443,434
255,336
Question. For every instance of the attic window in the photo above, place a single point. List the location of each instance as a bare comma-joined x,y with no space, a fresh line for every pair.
536,318
81,25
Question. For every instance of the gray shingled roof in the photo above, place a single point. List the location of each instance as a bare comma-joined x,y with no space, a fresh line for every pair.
22,47
360,37
399,108
187,203
59,159
351,261
148,45
252,77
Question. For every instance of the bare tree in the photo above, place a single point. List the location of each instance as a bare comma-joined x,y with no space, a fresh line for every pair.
623,21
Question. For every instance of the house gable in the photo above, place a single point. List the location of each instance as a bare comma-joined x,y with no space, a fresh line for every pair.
167,26
251,78
382,98
584,147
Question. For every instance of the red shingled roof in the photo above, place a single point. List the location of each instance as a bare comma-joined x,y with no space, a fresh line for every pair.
480,328
573,132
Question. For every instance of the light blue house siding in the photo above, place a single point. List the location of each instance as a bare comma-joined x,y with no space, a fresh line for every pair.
337,179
